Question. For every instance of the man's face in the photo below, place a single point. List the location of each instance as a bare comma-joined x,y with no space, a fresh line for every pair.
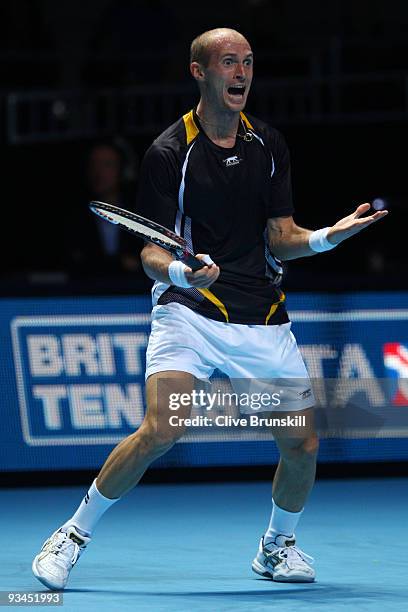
228,76
104,170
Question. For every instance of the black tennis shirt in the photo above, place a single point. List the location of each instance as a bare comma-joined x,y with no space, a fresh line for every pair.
219,199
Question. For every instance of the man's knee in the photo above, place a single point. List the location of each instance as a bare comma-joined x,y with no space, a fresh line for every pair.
310,445
303,450
156,441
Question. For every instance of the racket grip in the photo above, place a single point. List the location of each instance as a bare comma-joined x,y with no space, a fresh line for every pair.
192,262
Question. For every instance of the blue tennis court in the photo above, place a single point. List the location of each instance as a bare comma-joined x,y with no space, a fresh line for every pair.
189,547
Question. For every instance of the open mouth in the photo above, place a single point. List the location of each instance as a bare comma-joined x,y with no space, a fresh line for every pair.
237,90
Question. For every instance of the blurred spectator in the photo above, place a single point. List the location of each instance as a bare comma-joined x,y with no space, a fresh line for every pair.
97,246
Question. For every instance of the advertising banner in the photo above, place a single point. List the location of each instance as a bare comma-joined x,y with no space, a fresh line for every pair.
72,380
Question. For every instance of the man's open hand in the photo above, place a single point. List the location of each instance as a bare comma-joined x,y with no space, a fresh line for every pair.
353,224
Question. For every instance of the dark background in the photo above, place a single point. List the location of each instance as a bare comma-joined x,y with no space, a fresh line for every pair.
332,76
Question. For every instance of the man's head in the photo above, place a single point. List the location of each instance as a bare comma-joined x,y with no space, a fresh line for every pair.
222,63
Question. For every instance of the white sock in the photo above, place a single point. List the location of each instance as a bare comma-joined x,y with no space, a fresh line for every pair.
92,507
282,522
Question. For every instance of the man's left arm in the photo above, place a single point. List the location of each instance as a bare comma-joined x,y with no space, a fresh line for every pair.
289,241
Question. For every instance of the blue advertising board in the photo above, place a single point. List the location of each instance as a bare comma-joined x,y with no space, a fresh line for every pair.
72,379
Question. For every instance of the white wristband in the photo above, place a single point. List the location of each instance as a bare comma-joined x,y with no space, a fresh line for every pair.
318,241
176,273
207,260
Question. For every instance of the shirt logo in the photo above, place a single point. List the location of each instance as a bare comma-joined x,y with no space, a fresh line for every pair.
232,161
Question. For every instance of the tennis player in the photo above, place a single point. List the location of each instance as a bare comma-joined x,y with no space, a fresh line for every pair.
220,178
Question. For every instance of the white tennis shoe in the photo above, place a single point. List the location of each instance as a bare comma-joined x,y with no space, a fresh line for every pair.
58,556
282,561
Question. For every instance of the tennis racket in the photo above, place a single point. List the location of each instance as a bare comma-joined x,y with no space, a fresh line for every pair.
148,230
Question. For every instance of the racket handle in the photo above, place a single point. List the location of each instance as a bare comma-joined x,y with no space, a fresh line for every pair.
192,262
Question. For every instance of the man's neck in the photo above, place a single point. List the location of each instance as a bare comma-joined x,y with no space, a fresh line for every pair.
220,127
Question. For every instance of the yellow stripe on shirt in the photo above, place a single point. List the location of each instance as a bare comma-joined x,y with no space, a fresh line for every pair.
246,121
213,298
274,307
191,127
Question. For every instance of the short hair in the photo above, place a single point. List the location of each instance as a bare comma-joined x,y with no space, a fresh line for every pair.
200,49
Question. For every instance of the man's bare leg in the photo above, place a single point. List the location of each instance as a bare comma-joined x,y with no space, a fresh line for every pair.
278,557
121,472
129,460
296,471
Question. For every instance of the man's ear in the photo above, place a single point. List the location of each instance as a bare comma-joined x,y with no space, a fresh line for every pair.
197,71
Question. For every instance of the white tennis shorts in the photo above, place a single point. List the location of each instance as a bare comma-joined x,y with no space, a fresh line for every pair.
256,358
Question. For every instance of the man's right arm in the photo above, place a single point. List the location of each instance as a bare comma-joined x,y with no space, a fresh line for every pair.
157,200
156,261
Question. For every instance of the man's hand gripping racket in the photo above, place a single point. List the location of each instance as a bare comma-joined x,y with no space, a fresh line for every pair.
198,270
